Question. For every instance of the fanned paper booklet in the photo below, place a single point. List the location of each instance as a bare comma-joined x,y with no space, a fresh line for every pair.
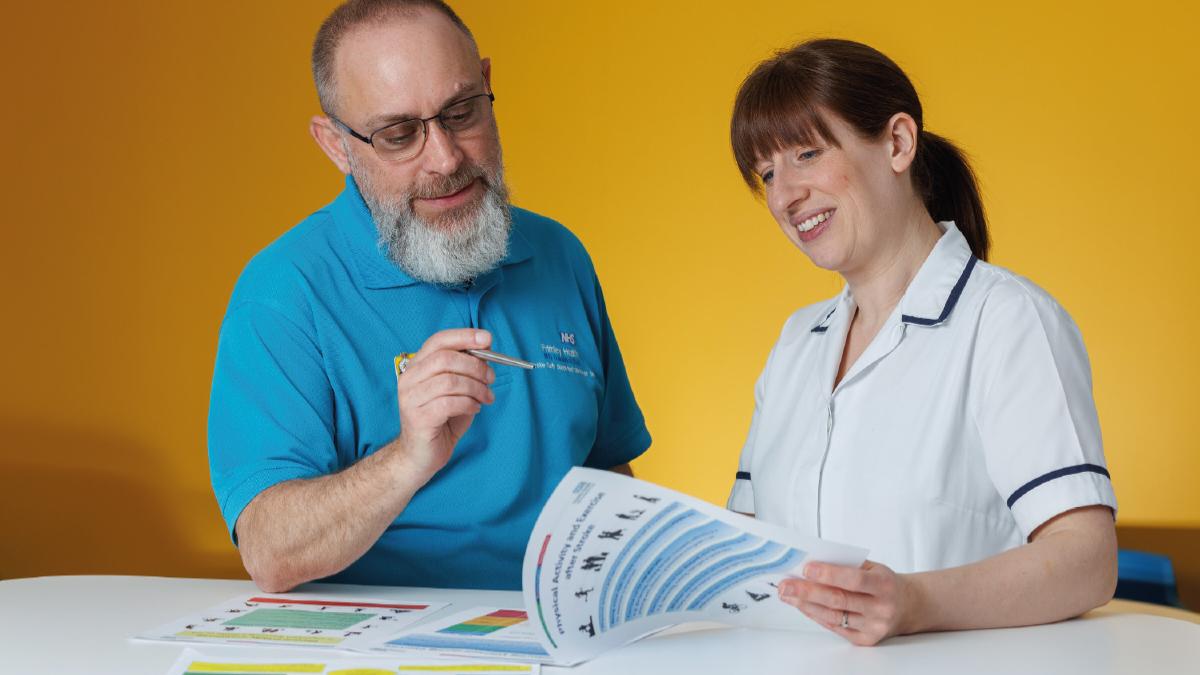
612,559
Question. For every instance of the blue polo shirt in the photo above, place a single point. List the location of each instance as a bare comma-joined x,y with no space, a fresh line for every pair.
304,386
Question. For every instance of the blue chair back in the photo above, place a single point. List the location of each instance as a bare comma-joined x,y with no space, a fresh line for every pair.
1147,577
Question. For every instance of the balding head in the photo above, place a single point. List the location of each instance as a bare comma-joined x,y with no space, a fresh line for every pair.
354,15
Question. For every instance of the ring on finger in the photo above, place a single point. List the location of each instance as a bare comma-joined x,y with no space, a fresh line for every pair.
845,619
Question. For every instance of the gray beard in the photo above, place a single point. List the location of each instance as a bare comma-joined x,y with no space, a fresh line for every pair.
462,245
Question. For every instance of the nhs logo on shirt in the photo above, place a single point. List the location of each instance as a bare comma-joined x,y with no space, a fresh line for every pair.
564,357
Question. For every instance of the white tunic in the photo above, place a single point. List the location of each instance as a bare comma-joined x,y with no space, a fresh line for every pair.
966,423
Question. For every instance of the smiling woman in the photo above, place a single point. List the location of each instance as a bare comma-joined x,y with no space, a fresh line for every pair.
939,410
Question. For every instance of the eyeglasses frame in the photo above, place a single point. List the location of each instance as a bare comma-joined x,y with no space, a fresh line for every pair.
370,139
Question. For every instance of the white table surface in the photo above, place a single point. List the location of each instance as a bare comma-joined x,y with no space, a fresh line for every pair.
81,624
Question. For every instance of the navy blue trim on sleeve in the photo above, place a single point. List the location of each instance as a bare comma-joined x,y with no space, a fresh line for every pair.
1058,473
950,302
743,475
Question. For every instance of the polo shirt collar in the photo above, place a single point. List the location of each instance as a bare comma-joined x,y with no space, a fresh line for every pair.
939,283
375,269
933,292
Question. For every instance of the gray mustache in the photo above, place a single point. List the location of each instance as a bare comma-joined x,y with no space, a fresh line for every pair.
446,185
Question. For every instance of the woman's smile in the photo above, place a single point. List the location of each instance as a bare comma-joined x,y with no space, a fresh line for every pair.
810,226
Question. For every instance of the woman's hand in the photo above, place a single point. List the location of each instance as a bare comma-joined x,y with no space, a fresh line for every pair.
864,605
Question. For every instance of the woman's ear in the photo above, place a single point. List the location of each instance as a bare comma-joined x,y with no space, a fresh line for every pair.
902,133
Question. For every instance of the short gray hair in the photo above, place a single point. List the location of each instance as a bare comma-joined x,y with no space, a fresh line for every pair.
352,14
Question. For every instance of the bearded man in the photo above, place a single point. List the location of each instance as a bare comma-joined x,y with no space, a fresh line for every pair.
328,465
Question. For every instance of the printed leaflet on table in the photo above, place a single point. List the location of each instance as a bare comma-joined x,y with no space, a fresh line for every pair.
296,619
487,632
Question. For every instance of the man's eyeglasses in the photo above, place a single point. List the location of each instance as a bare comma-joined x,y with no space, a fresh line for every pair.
405,139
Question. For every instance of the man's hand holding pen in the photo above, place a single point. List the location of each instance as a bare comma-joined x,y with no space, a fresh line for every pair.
439,393
439,390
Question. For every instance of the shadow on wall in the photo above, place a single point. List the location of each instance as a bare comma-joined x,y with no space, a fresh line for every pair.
81,503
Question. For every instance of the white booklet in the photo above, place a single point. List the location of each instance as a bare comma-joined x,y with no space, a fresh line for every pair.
613,558
327,620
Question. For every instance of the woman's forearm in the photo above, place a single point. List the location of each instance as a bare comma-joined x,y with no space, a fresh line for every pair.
1069,568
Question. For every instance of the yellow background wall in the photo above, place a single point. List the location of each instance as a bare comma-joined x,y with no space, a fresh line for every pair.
151,148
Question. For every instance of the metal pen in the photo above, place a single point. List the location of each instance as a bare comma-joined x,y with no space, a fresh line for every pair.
488,355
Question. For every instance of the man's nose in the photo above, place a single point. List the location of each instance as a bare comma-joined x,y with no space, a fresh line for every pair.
441,153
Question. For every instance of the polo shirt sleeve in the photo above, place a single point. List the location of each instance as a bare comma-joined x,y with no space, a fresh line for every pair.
271,413
621,433
1034,408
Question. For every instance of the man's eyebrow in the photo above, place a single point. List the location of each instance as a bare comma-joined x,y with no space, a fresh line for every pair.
461,91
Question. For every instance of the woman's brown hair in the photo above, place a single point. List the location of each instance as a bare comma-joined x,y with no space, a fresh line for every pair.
780,105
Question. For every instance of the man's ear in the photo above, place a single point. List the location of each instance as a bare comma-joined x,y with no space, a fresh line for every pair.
486,65
902,135
325,132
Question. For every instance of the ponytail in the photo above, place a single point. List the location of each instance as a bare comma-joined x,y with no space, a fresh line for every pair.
950,190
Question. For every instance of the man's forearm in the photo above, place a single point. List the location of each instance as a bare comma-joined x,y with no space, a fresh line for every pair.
1062,573
307,529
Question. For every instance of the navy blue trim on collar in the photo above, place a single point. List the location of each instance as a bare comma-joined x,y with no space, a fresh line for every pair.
950,302
1059,473
823,324
743,475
